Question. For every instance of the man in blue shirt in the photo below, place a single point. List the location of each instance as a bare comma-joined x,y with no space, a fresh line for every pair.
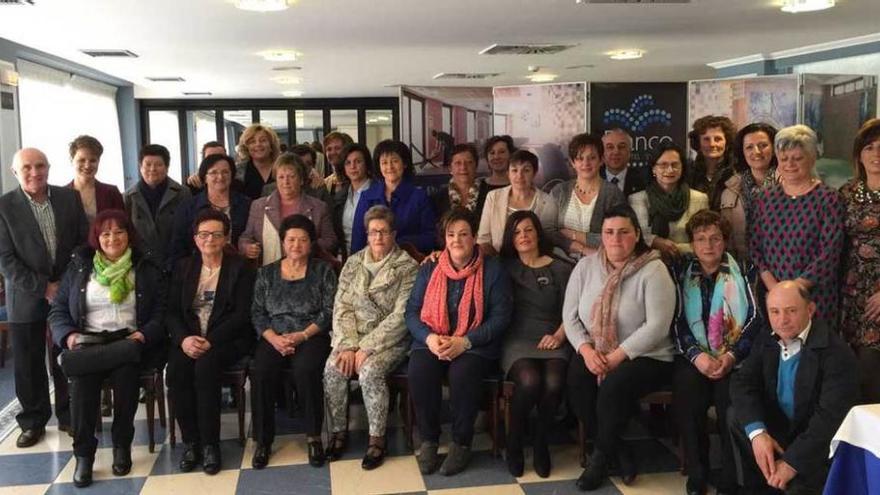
791,395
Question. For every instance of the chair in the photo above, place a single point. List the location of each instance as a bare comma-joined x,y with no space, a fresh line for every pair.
234,377
151,380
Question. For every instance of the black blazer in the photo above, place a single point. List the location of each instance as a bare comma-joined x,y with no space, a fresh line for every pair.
635,181
826,387
337,208
24,257
230,321
69,307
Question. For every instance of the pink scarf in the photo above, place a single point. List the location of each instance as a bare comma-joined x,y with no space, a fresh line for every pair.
435,312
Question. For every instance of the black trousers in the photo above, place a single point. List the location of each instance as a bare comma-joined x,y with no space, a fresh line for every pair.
85,398
194,389
869,374
465,375
32,380
605,409
693,393
307,364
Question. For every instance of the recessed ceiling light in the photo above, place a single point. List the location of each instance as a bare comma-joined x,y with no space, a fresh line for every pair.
262,5
197,93
630,54
286,80
293,94
541,78
284,68
166,79
279,55
798,6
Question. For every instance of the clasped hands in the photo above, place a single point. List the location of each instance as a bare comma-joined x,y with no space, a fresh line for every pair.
776,471
286,343
445,347
600,364
714,368
350,362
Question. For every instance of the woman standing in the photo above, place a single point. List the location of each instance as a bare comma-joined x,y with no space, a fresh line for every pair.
712,139
497,151
85,154
464,189
358,169
258,148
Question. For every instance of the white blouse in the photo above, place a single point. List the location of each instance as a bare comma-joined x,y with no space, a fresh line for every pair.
104,316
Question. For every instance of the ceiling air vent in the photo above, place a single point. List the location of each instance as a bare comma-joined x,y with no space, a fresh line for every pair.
629,1
466,75
16,2
110,53
197,93
166,79
524,49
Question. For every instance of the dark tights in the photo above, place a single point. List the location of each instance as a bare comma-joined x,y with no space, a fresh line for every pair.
539,382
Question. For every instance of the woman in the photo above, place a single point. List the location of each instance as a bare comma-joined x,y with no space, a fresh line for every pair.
798,227
712,139
715,329
369,333
667,203
458,310
497,151
260,241
108,312
860,309
521,194
534,355
85,154
619,305
582,201
358,168
291,312
334,144
464,189
258,148
153,202
216,173
757,164
412,209
208,318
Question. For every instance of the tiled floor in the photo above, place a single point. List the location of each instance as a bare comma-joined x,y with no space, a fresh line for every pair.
47,467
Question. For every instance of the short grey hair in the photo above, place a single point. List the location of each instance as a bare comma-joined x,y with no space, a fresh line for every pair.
797,136
619,130
379,212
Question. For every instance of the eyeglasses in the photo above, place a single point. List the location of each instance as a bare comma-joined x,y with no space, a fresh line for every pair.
379,233
204,235
668,165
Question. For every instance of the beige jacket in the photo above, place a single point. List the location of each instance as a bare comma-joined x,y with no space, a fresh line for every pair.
731,208
495,216
677,234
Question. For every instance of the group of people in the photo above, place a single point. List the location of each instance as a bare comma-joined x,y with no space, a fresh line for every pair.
718,277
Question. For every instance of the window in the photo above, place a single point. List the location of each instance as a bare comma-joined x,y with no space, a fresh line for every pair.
165,130
309,126
378,127
345,121
418,132
234,124
277,120
201,127
56,107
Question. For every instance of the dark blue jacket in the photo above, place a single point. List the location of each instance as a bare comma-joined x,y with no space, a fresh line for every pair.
497,308
414,217
67,314
182,244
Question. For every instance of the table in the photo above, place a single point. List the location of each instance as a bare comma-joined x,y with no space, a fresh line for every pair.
856,452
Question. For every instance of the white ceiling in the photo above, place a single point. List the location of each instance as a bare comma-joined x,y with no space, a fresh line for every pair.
366,47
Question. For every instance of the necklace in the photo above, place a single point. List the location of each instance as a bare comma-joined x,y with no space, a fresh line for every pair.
802,190
863,194
587,192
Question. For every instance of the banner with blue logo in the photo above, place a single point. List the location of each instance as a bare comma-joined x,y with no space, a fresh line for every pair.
652,113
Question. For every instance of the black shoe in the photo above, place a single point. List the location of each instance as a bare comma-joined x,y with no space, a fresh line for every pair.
29,438
695,486
515,460
192,456
627,463
82,473
427,457
316,453
337,446
121,461
211,459
541,458
261,456
456,460
595,474
374,457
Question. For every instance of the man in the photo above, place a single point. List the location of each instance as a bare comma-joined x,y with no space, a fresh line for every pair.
790,396
40,225
618,146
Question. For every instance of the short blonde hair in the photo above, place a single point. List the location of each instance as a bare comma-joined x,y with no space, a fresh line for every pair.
252,131
797,136
293,162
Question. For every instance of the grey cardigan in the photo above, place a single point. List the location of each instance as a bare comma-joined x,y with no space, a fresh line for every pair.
609,195
646,307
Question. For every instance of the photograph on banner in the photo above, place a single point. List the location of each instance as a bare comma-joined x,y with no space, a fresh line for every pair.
652,113
434,119
543,118
836,106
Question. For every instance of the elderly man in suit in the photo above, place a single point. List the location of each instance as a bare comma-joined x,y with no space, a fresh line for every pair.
790,396
40,225
615,169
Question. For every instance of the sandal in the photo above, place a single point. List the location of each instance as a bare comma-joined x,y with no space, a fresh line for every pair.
374,457
337,446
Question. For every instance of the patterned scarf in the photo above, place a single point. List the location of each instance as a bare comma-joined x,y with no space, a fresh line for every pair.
728,310
455,197
750,189
603,316
664,207
435,312
114,274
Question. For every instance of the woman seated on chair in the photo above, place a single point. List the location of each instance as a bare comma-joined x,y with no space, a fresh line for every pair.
457,313
534,355
209,320
292,311
619,305
369,334
107,313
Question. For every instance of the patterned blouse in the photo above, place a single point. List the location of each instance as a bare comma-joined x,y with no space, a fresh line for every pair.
861,277
288,306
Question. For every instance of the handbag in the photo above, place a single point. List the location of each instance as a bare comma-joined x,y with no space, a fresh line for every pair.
99,352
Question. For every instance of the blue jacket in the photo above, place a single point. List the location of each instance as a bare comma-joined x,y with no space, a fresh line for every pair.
67,314
414,217
498,306
182,244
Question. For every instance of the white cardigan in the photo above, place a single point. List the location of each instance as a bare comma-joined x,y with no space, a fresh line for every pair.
495,215
677,234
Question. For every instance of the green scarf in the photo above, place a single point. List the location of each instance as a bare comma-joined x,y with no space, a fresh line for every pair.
664,207
116,275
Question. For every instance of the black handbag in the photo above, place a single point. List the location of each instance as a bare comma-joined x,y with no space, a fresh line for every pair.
99,352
